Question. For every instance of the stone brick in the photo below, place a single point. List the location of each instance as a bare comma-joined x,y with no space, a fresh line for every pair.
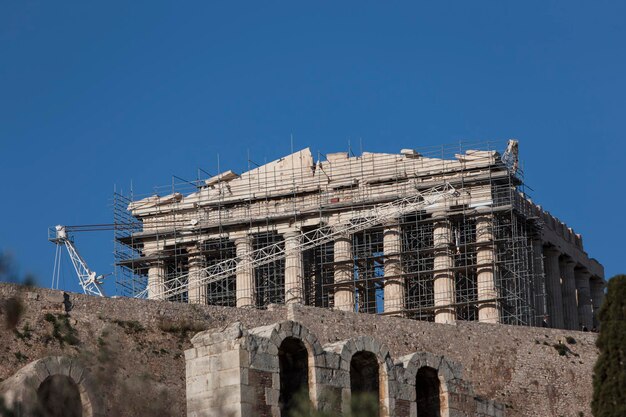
508,363
191,354
229,377
264,361
229,359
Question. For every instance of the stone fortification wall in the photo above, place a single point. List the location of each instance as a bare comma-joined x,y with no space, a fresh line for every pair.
134,349
259,372
517,366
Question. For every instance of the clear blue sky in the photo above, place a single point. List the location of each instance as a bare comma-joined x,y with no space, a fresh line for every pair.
94,94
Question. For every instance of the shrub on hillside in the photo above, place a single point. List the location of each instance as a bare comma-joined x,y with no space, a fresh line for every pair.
609,379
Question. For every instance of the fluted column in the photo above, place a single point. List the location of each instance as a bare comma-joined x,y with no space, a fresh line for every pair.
583,290
597,296
294,284
553,285
156,280
487,292
539,283
394,282
196,291
568,291
344,270
244,280
443,275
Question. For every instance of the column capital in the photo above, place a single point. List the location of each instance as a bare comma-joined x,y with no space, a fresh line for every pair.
567,261
195,250
391,232
484,217
344,236
582,272
241,239
440,215
597,281
292,233
551,250
155,263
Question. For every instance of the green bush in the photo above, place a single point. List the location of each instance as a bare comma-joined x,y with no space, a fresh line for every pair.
62,330
609,378
562,349
25,334
361,405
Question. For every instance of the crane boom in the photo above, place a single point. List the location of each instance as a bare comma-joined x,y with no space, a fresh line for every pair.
88,280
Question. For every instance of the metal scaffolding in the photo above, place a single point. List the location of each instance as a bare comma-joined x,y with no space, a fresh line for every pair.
201,232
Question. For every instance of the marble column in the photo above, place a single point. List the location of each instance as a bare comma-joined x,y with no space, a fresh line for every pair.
394,282
196,290
156,280
294,283
597,296
539,283
553,285
583,290
568,293
244,274
487,293
344,272
443,276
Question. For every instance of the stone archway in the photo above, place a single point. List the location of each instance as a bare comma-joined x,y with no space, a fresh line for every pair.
430,376
59,396
366,351
293,373
428,392
289,348
39,386
364,383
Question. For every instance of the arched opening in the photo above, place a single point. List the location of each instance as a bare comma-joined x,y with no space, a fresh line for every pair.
364,384
294,374
427,388
59,396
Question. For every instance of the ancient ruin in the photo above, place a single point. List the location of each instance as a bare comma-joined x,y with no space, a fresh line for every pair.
260,371
133,357
255,283
440,235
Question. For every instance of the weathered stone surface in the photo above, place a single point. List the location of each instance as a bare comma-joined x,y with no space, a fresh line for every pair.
260,387
21,390
516,365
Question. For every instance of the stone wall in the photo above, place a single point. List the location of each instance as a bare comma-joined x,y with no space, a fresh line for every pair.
519,367
237,372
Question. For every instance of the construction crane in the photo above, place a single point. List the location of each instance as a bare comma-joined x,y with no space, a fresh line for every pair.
375,215
88,280
91,282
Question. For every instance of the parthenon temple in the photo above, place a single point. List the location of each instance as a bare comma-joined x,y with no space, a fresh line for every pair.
441,235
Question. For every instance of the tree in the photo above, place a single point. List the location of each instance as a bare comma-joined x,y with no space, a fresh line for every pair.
609,379
9,272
